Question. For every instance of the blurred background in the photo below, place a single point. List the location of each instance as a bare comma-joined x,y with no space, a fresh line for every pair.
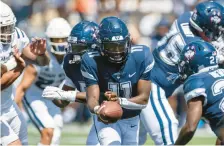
147,20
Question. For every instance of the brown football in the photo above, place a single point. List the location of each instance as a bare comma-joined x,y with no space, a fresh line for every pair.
111,111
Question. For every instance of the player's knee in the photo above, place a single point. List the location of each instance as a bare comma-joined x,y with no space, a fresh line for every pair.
47,133
109,139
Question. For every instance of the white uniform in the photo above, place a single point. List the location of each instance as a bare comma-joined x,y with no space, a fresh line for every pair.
43,112
9,111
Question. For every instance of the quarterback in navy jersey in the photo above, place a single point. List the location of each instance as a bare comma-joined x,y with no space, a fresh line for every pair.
123,70
203,89
205,23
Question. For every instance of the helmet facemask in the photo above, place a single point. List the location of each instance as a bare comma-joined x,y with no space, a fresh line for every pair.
77,49
184,70
59,45
58,48
7,34
116,51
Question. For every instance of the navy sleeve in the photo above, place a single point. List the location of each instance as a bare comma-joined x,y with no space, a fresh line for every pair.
66,65
194,87
147,64
89,70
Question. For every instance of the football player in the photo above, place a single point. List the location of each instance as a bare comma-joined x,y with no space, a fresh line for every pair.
83,37
203,89
205,23
14,41
124,70
43,113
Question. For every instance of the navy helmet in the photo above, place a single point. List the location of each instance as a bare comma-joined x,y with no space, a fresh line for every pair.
83,37
115,39
208,18
196,56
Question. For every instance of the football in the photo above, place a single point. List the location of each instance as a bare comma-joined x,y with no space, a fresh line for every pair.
111,111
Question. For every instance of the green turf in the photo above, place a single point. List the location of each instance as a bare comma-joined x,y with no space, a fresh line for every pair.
78,137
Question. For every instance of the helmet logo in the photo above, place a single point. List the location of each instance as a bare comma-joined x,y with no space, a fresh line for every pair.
117,38
190,53
215,18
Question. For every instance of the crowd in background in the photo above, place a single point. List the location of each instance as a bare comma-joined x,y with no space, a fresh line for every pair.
148,21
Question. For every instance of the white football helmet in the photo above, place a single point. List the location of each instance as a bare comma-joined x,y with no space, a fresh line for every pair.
7,23
58,28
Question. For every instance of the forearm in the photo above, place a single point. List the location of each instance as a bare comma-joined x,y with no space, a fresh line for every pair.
81,97
185,135
140,99
92,102
20,93
9,77
93,95
43,59
60,103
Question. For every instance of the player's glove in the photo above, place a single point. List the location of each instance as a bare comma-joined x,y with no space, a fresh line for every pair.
51,93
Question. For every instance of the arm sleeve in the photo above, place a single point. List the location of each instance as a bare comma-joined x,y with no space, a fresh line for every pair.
89,71
194,88
147,65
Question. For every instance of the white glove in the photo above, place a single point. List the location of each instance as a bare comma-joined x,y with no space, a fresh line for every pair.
51,93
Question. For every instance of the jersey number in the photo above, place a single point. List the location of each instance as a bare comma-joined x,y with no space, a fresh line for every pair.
42,82
124,86
217,88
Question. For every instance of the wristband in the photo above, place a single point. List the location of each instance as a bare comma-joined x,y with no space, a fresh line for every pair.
70,95
95,109
125,103
10,64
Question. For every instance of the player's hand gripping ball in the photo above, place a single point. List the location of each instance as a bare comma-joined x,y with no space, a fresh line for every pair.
110,112
111,96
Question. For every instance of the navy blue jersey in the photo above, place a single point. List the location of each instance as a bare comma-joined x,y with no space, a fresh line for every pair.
167,53
119,79
72,71
210,85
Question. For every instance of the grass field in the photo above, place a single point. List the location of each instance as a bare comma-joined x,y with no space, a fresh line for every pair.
76,134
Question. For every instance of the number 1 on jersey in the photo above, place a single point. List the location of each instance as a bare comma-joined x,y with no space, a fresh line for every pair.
124,86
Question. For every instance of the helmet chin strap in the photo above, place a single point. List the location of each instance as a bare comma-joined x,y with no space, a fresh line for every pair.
204,37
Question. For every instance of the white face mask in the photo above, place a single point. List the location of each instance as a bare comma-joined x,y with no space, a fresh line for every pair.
59,48
7,34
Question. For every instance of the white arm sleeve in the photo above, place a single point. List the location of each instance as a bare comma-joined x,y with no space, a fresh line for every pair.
125,103
196,93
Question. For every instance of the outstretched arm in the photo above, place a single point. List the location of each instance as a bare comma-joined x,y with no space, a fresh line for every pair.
80,97
194,114
29,76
